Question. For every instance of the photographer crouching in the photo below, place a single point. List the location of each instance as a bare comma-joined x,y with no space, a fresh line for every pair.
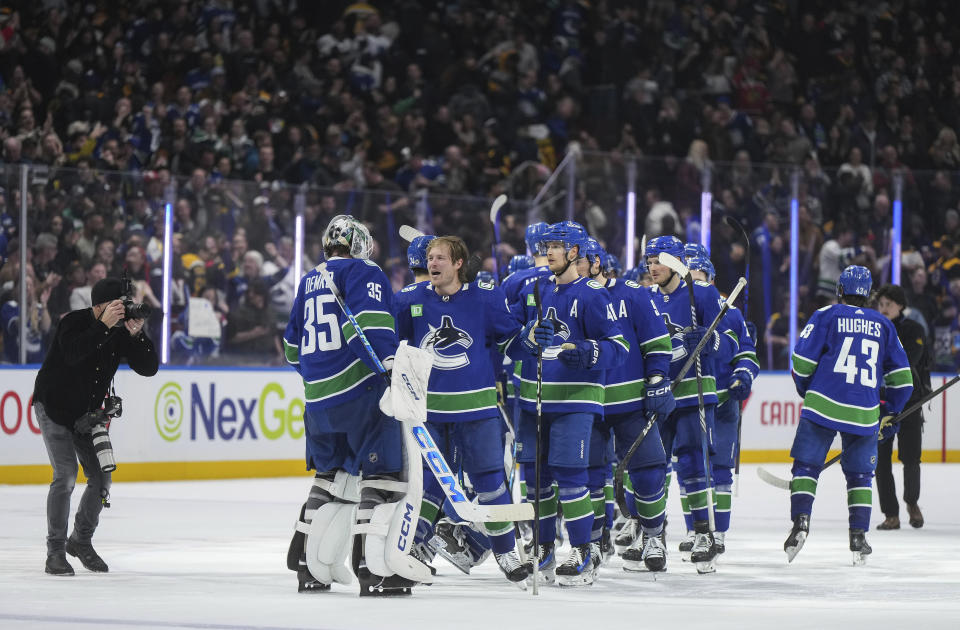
71,405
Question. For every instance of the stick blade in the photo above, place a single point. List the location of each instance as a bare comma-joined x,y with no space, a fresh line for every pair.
408,233
772,479
674,263
495,208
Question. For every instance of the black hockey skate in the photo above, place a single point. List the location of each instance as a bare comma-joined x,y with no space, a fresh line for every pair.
686,545
704,552
450,541
548,563
798,536
628,533
606,544
515,570
859,546
720,542
306,583
578,569
376,586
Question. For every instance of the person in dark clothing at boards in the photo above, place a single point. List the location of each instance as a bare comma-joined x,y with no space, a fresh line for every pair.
891,300
74,379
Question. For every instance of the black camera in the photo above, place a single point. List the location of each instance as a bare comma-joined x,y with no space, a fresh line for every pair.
131,310
113,406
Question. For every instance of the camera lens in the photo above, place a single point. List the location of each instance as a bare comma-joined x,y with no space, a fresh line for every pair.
103,448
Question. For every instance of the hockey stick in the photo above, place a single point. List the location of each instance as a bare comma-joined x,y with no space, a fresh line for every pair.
536,460
674,263
784,484
495,220
622,466
432,456
729,220
408,232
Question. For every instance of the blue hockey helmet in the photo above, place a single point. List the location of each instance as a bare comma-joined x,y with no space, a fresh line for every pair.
533,235
591,250
417,252
664,245
611,264
693,250
518,262
855,280
569,233
632,274
486,276
642,269
703,264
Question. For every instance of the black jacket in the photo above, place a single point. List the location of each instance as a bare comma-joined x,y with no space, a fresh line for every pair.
914,343
81,362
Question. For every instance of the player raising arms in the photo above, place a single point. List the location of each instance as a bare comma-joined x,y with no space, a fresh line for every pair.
845,357
459,321
578,312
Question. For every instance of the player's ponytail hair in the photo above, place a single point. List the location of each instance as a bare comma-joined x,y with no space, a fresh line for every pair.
458,251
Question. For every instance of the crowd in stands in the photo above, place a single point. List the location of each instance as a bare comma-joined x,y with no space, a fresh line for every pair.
243,114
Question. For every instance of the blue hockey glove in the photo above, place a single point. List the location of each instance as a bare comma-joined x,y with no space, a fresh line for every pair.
752,331
659,398
583,355
888,428
543,333
535,336
740,384
692,336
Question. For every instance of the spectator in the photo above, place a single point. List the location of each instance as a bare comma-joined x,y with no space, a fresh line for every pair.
251,334
37,319
80,297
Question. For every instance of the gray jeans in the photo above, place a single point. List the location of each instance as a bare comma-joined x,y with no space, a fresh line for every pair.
64,448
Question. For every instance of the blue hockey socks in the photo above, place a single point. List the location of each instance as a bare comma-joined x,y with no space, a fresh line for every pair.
859,499
492,490
722,496
650,498
803,488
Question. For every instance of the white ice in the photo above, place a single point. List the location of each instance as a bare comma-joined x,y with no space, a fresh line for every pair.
212,555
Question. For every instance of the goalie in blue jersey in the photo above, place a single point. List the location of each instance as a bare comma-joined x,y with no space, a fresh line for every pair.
354,448
853,376
459,321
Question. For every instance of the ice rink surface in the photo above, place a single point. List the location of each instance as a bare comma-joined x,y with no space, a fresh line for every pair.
211,554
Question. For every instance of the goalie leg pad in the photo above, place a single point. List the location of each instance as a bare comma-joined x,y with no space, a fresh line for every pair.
389,528
328,542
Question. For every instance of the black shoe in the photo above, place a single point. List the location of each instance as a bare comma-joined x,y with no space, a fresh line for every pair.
916,516
57,564
87,556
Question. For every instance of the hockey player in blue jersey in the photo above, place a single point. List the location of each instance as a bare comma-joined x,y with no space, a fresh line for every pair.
518,279
637,387
353,447
853,376
681,430
577,312
735,376
459,321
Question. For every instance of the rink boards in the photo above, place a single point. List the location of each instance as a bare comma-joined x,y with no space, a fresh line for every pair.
227,423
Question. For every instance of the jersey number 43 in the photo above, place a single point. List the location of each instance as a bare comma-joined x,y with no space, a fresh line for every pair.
847,363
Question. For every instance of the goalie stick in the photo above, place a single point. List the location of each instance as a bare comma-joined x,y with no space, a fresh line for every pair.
408,232
536,465
784,484
622,466
408,384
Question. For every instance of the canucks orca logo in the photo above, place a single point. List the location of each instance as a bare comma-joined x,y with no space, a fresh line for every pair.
560,329
446,343
676,338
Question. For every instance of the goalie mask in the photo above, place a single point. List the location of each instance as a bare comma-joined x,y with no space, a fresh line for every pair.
346,231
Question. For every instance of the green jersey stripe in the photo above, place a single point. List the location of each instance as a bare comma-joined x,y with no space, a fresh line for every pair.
368,320
898,378
291,352
802,365
838,412
343,381
462,401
